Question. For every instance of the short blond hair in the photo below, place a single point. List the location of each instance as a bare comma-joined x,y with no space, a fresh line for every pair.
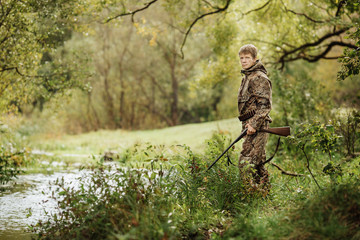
248,48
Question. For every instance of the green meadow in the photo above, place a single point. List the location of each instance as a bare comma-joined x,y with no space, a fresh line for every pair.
159,188
99,142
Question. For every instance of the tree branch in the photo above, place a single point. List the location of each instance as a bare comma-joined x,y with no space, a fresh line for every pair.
268,42
5,15
14,68
154,111
197,19
208,3
314,58
306,16
308,164
132,13
4,39
302,14
318,6
161,89
286,172
257,9
341,4
286,53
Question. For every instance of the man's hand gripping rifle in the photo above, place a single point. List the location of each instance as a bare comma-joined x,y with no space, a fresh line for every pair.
281,131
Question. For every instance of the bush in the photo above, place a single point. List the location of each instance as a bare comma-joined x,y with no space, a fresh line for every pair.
113,204
348,125
11,159
330,214
180,202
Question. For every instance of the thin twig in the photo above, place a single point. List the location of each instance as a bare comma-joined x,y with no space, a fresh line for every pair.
286,172
208,3
302,14
318,6
197,19
257,9
308,165
132,13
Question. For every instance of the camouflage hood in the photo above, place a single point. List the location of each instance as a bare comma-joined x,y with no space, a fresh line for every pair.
258,66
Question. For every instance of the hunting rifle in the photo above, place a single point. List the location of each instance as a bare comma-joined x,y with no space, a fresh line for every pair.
281,131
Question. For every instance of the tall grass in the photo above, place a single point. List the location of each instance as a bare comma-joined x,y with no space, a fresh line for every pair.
166,193
182,201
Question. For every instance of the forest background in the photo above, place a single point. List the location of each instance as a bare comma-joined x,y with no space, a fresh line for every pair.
79,66
68,68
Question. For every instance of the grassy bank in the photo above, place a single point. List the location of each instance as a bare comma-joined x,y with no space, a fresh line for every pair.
193,135
165,192
162,189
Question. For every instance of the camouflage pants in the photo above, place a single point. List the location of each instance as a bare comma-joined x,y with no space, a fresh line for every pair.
253,152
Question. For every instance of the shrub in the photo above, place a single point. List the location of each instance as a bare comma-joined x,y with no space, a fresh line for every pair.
11,159
180,202
113,204
330,214
222,186
348,125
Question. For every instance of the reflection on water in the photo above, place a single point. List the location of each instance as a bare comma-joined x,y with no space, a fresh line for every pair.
31,191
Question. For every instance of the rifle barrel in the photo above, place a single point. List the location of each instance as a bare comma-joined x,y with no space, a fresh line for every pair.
243,133
281,131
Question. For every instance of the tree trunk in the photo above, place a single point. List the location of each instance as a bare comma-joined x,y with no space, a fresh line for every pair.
90,108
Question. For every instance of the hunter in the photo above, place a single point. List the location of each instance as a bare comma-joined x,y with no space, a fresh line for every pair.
254,105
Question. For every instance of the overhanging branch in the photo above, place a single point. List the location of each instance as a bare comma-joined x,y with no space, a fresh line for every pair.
132,13
218,10
257,9
322,55
302,14
4,69
341,4
285,57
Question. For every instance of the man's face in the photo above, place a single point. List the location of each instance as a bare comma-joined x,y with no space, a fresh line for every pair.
246,60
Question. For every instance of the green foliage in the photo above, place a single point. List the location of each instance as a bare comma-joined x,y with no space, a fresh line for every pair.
148,153
336,212
313,144
351,60
13,154
348,125
334,171
298,96
11,159
330,214
30,29
184,201
319,136
178,198
114,204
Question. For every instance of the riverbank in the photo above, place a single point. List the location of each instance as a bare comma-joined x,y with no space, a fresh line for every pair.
99,142
160,188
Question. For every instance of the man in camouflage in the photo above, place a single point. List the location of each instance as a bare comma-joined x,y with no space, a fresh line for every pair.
254,105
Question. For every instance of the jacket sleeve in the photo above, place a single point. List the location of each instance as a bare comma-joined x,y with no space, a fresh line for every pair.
261,91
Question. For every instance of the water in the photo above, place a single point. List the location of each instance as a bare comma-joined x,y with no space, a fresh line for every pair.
30,191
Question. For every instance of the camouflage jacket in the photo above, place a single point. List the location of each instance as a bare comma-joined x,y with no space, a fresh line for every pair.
255,94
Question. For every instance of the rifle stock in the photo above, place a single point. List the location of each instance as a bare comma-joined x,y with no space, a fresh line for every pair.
281,131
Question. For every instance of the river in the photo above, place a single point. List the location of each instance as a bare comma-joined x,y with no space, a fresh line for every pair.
29,191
